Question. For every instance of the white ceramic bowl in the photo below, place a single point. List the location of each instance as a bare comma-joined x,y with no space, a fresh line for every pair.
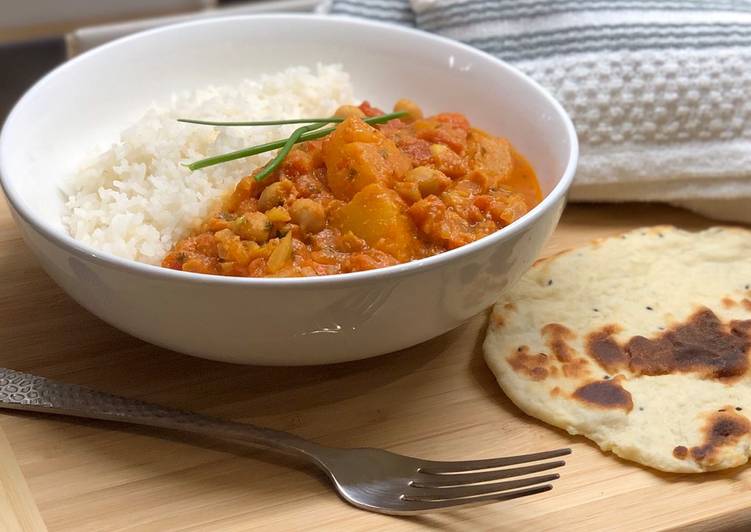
89,100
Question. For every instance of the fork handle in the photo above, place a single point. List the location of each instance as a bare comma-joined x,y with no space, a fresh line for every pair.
22,391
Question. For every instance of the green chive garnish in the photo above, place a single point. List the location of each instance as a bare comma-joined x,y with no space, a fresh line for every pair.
276,161
305,135
264,122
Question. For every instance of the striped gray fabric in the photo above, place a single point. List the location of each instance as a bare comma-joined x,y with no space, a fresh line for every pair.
471,12
613,37
394,11
658,89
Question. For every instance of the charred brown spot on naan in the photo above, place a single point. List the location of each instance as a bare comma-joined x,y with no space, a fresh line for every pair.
543,260
555,392
746,304
497,319
534,367
680,452
557,337
605,394
703,345
603,348
722,429
577,369
729,302
741,327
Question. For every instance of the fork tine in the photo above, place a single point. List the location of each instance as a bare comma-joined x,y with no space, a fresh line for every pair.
474,465
474,490
418,504
433,480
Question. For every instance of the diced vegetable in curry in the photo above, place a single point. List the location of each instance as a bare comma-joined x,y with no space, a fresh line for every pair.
365,197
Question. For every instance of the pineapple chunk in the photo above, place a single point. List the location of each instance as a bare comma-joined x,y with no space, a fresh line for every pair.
357,155
378,216
491,158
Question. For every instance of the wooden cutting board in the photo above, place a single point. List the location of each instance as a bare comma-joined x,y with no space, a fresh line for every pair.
437,401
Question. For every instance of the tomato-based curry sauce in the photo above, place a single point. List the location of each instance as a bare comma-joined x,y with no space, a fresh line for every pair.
365,197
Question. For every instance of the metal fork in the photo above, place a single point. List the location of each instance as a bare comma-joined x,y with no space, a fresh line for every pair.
372,479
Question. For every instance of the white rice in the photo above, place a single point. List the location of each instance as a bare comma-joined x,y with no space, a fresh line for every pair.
136,199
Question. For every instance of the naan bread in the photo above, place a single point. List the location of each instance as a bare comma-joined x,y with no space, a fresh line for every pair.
640,342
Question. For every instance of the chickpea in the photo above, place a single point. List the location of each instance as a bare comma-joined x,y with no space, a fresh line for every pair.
345,111
308,214
254,226
429,180
273,195
412,109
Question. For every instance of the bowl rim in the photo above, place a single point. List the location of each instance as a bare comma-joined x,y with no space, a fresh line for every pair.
87,252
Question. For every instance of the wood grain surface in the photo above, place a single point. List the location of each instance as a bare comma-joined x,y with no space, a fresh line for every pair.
18,511
437,401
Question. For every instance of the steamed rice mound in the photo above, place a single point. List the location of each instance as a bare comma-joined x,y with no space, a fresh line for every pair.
136,199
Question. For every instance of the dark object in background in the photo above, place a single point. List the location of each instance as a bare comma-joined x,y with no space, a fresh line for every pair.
23,64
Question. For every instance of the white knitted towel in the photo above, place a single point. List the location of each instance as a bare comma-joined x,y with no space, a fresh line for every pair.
659,90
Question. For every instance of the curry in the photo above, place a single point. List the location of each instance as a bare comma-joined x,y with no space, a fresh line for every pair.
365,197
